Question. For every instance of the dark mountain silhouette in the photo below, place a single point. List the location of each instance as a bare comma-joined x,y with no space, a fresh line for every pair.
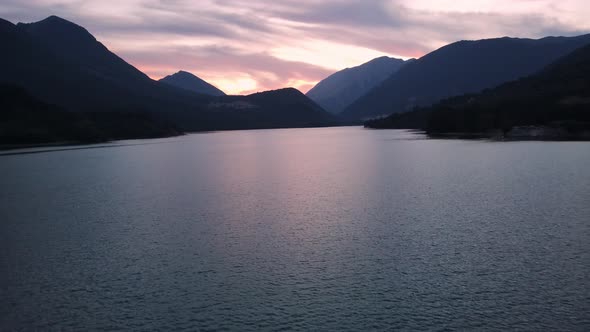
62,64
282,108
459,68
342,88
77,46
556,98
25,119
188,81
82,75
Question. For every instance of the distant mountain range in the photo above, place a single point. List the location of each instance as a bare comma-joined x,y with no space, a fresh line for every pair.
553,103
57,82
459,68
188,81
61,63
339,90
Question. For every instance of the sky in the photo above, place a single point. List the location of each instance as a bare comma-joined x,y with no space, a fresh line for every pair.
244,46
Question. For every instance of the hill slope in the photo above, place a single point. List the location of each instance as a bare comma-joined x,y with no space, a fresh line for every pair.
339,90
26,120
558,98
459,68
281,108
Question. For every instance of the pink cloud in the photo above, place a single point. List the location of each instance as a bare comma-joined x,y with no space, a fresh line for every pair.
250,45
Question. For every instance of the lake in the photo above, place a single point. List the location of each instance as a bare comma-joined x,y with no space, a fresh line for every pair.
297,229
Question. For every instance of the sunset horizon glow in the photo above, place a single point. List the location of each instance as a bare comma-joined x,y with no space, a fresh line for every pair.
244,47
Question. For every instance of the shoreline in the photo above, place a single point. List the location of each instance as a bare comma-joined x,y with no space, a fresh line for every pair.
529,133
6,149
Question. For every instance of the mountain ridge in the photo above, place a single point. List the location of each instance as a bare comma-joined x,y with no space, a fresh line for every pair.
87,77
188,81
551,103
458,68
337,91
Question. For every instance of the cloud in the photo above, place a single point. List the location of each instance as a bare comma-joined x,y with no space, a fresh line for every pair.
215,62
249,45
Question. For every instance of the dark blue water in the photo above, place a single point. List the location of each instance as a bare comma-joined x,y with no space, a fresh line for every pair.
303,229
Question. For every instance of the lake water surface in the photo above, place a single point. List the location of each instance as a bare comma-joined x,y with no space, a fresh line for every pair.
297,229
